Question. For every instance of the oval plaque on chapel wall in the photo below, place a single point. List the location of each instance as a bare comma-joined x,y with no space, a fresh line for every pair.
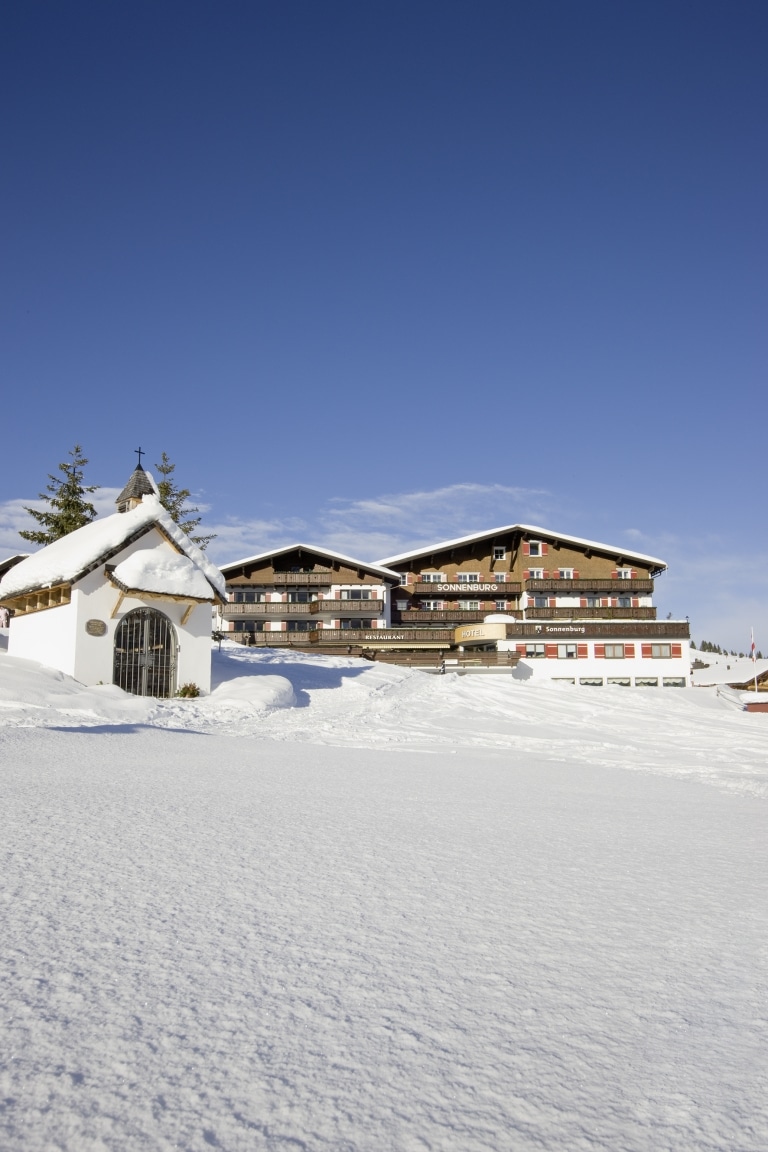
96,627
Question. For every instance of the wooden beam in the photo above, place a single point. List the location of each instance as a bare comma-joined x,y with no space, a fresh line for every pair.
118,602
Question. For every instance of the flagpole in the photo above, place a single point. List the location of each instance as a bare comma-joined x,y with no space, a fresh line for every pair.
754,663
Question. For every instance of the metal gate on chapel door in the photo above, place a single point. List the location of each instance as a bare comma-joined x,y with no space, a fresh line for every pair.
145,654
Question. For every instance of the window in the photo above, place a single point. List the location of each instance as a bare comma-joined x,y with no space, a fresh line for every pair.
534,548
536,574
624,573
345,624
566,573
501,605
661,651
500,577
535,651
566,651
468,578
591,681
673,681
499,552
646,681
470,605
249,626
248,596
302,626
432,605
356,594
625,601
614,651
592,601
403,579
540,602
301,596
620,681
433,578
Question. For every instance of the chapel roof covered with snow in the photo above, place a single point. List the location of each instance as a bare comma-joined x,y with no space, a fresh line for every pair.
189,574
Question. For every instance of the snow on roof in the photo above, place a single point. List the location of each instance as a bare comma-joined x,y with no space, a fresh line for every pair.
65,560
726,669
151,570
529,529
379,569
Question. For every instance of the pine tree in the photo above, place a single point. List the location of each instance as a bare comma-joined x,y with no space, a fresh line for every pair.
69,508
693,645
174,500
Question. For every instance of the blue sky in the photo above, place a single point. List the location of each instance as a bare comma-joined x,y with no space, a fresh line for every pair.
374,274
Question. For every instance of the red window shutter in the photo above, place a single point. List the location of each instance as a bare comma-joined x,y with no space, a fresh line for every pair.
677,651
526,575
521,649
629,651
556,574
605,603
552,602
614,575
551,650
575,574
583,602
614,602
634,574
544,549
647,650
600,651
546,574
635,602
526,548
582,651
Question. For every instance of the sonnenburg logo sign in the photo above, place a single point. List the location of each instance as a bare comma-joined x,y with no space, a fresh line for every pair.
465,587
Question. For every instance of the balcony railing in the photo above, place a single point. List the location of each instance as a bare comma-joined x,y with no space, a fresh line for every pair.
346,607
575,613
617,587
450,615
230,611
300,578
489,586
372,636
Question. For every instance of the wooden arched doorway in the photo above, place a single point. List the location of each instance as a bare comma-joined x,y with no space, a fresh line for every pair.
145,653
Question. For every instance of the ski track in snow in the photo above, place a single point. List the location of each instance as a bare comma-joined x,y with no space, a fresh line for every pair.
343,907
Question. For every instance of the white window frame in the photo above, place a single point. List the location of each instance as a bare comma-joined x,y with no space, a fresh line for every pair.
535,573
567,652
467,577
432,578
623,573
566,573
502,605
534,548
499,552
535,651
432,605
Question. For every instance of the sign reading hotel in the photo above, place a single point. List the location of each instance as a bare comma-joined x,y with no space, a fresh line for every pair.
480,633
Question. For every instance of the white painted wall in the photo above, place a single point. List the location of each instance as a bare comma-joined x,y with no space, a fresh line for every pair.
551,668
47,636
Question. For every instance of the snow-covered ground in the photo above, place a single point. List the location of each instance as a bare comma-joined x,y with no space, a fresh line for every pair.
344,906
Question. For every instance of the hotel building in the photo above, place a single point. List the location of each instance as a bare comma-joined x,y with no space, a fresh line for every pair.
540,603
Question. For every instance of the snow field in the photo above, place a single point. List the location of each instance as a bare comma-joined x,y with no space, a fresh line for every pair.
368,909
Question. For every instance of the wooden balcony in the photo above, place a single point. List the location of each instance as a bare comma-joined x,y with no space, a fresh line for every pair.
300,579
346,607
575,613
259,611
615,587
442,615
489,587
370,637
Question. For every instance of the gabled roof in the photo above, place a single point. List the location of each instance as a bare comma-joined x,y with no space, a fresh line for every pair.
528,530
11,562
363,565
140,484
69,559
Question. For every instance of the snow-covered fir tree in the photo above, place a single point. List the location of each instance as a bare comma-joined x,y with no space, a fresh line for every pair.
174,500
68,507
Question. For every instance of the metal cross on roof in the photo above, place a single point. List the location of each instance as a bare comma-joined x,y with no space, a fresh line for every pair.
140,452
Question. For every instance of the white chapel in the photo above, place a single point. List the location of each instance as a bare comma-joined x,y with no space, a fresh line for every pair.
125,600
